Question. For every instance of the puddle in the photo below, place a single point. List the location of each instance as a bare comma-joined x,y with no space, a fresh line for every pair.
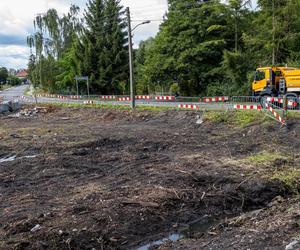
199,226
14,157
8,159
172,237
29,156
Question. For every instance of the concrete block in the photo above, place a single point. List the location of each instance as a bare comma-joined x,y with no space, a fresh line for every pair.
4,107
15,106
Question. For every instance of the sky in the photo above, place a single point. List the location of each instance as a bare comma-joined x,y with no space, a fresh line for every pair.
16,22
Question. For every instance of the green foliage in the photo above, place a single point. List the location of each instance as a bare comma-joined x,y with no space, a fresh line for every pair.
205,48
3,75
212,48
235,118
104,54
289,178
189,47
13,80
265,157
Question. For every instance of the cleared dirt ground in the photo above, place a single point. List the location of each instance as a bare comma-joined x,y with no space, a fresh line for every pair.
112,179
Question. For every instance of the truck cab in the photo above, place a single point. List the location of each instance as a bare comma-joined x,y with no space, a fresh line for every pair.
276,81
264,82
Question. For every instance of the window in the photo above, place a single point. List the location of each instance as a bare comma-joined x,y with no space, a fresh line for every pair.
259,75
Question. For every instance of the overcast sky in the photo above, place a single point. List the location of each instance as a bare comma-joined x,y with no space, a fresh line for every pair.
16,22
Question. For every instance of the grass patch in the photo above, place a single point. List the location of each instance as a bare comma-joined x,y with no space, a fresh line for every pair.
266,157
217,116
293,114
106,106
290,178
237,118
5,86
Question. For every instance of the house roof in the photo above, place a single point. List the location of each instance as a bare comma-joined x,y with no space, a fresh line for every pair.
22,73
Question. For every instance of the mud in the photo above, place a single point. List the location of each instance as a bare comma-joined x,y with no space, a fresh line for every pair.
109,179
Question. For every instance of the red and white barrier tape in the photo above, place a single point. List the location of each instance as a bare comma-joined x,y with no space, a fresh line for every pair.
62,97
75,97
276,115
124,99
216,99
143,97
251,107
88,102
275,99
165,98
188,106
290,102
107,97
27,99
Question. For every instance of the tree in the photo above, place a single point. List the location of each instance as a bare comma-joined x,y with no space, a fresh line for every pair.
104,42
116,48
53,36
3,75
276,31
238,11
189,47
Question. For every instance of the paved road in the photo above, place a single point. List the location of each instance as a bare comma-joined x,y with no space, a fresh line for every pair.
17,92
14,92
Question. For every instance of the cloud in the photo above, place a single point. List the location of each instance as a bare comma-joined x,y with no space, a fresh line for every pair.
16,22
13,56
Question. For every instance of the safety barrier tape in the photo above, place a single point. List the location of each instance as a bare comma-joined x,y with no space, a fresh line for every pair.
275,99
145,97
276,115
216,99
88,102
241,106
75,97
290,102
62,97
165,98
188,106
124,99
107,97
27,99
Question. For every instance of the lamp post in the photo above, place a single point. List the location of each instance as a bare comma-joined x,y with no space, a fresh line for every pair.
131,78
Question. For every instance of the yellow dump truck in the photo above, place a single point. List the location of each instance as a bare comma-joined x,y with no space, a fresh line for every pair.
276,81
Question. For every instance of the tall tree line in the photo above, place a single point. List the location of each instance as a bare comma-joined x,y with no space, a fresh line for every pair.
69,46
208,47
203,47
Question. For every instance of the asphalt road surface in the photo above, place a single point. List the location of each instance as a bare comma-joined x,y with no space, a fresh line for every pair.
17,92
14,92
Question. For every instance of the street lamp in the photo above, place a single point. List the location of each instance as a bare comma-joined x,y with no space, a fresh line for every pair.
132,92
145,22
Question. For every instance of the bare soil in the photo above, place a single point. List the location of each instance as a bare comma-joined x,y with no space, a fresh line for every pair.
111,179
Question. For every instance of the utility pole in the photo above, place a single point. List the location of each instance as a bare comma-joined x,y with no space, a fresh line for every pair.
132,87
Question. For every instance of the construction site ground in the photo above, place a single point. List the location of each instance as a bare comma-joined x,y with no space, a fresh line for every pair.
85,178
